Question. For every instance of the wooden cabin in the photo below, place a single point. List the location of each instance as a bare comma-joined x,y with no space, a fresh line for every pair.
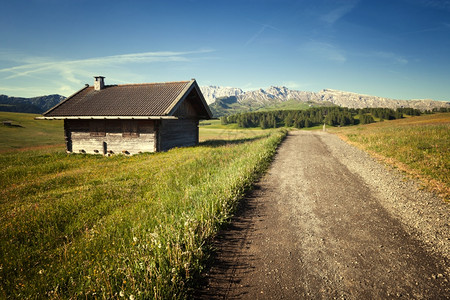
131,118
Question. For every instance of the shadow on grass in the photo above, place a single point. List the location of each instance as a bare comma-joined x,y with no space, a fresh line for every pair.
221,264
9,124
218,143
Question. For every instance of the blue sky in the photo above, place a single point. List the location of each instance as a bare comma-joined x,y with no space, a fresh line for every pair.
398,49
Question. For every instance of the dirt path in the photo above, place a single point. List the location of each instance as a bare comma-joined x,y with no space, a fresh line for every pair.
327,221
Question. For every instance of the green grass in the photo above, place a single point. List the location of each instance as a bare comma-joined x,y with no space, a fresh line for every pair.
418,145
214,130
216,124
85,226
28,132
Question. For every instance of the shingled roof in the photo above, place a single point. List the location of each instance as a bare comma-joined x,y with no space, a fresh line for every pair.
129,100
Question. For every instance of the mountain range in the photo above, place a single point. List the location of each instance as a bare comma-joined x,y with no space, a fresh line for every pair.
225,100
36,105
229,100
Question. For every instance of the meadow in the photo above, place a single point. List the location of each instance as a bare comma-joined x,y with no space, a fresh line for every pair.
27,132
212,130
75,226
419,146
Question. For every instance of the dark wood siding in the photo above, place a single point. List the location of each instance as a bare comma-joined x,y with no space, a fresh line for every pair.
177,133
67,136
130,129
97,127
186,109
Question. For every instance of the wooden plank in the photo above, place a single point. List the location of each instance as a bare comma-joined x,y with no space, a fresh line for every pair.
113,141
180,133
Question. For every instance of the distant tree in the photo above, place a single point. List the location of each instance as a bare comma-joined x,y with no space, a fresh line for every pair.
288,120
273,121
240,121
299,123
263,122
307,123
223,120
366,119
333,116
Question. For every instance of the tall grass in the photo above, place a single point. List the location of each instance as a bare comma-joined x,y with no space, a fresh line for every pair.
418,145
75,226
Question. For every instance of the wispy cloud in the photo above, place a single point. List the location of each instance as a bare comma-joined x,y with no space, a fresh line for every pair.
250,86
337,13
325,51
435,4
392,57
68,68
442,27
263,28
293,85
28,75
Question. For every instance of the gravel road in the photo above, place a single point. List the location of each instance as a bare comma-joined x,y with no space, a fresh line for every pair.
328,221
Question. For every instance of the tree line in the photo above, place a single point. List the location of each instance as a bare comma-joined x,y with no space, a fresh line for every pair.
333,116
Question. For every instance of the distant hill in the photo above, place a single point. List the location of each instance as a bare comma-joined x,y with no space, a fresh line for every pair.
226,100
36,105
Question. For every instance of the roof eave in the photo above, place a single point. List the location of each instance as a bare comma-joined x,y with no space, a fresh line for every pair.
108,118
179,98
193,84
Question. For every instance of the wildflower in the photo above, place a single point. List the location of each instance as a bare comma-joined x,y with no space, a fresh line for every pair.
121,294
135,239
131,297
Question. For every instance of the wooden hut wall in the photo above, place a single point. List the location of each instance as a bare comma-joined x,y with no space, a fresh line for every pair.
188,107
178,133
110,136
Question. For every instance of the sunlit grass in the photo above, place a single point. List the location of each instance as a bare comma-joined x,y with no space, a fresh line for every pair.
77,226
418,145
213,130
27,132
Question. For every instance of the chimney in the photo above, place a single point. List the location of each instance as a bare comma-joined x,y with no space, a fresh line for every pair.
99,83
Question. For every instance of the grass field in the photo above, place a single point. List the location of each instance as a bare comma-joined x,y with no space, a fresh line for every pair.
213,130
419,146
84,226
28,132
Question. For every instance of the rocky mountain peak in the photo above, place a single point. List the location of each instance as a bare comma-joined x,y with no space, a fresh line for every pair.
278,94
